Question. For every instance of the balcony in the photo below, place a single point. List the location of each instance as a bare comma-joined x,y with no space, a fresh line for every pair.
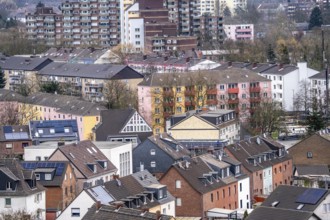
76,84
94,93
211,102
167,114
211,91
255,99
168,93
94,85
255,89
233,90
233,101
190,103
168,104
189,92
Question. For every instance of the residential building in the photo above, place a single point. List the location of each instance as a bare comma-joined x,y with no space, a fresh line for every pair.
161,96
54,130
166,64
237,32
90,165
315,176
157,153
311,150
209,7
214,126
19,190
318,86
123,125
90,22
43,24
286,80
142,189
296,203
265,161
47,106
211,28
22,70
59,180
78,208
13,140
120,154
203,183
114,212
170,43
89,80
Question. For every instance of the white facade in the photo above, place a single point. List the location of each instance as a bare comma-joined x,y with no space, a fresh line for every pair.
34,204
286,86
204,65
168,208
238,32
209,6
119,153
323,210
42,151
132,28
81,203
267,180
244,197
232,5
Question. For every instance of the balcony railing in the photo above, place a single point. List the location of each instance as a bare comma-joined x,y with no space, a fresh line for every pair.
94,85
168,93
233,101
189,92
255,99
255,89
211,91
190,103
212,102
233,90
170,103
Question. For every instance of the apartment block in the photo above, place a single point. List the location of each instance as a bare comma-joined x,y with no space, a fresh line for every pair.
170,43
161,96
232,5
43,24
211,27
237,32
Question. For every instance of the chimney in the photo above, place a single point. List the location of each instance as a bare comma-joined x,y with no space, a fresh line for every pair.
98,205
254,65
187,59
229,64
115,176
280,66
165,58
60,143
145,57
158,215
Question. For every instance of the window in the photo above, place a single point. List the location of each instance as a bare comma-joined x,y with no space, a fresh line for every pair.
38,158
153,163
309,154
75,212
40,131
157,120
137,42
179,99
137,36
7,202
178,109
211,197
243,96
178,202
152,152
37,176
66,130
8,146
222,87
48,176
265,85
240,187
8,185
243,86
66,191
178,184
137,29
52,131
178,89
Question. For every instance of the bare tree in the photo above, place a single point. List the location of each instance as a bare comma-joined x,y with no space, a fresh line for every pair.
122,51
17,114
18,215
117,94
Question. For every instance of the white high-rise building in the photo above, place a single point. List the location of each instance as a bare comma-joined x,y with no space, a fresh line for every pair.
232,5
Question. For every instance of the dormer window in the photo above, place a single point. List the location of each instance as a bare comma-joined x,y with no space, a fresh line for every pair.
52,131
66,130
8,186
48,176
92,167
160,194
37,176
40,131
103,164
237,169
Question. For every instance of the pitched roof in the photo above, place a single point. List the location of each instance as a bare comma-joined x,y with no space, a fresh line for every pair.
58,167
271,213
14,132
170,146
24,63
8,95
290,197
95,71
113,121
83,153
254,148
320,75
231,75
13,169
111,212
312,169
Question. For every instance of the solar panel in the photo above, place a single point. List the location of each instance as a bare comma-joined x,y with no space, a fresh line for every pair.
59,171
7,129
311,196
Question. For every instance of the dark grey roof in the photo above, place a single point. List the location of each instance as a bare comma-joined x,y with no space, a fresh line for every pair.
320,75
271,213
246,149
99,193
83,153
8,95
24,63
113,121
287,197
15,171
14,132
95,71
111,212
312,169
280,70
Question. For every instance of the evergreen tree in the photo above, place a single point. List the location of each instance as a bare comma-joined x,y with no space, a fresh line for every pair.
227,12
2,79
315,120
315,19
50,87
271,54
283,54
